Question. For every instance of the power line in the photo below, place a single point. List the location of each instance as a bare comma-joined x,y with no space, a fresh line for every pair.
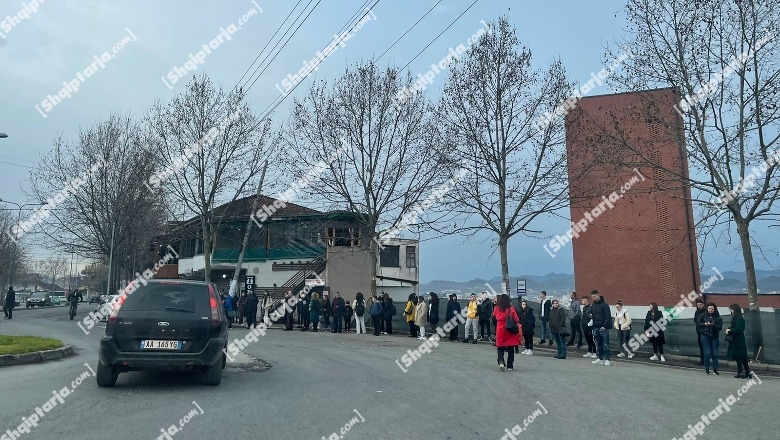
408,30
17,165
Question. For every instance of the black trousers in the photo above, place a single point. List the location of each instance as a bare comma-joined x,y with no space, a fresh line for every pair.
701,349
347,322
377,320
314,325
742,366
413,330
510,361
305,320
591,342
9,311
326,315
288,321
484,327
454,333
529,341
387,326
658,348
576,327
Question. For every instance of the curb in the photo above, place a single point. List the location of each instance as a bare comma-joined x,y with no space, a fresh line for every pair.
36,356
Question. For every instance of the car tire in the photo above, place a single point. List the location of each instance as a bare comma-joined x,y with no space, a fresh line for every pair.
106,375
213,374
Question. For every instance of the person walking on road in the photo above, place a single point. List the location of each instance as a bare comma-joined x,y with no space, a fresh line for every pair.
700,310
735,335
359,307
338,313
376,316
544,316
623,327
453,309
250,310
587,328
409,311
527,322
602,324
315,308
653,316
420,317
558,328
472,319
485,313
709,325
575,319
506,341
10,302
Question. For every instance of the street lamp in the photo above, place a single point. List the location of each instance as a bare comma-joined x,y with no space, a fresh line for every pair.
16,244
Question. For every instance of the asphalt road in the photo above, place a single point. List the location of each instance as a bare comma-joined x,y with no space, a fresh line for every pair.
318,382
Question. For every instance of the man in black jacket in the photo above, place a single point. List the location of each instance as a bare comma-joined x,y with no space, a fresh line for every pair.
338,313
544,316
485,312
696,314
388,310
602,323
10,302
327,309
453,309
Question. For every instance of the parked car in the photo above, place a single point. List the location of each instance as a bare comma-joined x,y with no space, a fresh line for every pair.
165,325
56,300
40,299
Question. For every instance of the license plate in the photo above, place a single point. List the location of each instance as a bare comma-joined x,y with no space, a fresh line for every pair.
156,344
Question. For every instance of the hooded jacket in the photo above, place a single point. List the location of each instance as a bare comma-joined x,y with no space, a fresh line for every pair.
600,313
622,319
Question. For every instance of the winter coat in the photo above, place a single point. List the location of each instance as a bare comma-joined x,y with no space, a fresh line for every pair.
696,315
241,305
250,309
557,319
421,314
586,317
528,320
545,307
712,330
600,313
314,311
737,347
10,299
409,311
433,314
376,309
453,308
485,309
623,320
387,309
574,310
228,303
338,307
651,318
327,307
505,338
348,312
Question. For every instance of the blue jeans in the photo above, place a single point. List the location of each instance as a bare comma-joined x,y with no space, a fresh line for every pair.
560,341
710,346
601,336
545,329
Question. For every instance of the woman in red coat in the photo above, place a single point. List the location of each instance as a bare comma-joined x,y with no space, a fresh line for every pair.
505,340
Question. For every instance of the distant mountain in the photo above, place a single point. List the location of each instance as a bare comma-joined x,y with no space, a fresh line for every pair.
558,284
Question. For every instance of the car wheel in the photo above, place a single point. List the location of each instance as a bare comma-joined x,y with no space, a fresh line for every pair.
213,374
106,375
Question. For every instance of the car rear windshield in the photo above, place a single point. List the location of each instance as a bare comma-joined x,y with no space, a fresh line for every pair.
38,295
184,298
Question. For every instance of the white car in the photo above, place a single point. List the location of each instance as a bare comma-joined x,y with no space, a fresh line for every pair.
110,299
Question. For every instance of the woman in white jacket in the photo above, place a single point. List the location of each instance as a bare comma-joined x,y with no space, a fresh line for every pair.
421,316
623,327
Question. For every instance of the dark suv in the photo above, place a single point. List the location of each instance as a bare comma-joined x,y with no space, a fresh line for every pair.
166,325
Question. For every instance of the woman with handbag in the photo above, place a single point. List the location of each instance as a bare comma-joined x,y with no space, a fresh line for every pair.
558,328
735,336
507,330
658,340
527,323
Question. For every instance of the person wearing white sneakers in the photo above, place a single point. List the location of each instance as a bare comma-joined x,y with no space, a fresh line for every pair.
420,317
602,324
527,322
587,327
623,327
656,337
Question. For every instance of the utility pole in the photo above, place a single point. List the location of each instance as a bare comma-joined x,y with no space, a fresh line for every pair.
110,258
237,272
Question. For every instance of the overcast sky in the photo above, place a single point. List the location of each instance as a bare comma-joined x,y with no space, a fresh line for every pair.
63,37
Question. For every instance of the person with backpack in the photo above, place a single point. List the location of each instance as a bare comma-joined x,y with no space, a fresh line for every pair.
389,311
485,313
506,340
359,306
453,309
376,316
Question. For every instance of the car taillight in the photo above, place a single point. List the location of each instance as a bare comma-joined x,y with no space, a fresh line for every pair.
213,306
115,308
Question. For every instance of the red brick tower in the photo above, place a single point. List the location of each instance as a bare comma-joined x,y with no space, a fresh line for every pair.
643,247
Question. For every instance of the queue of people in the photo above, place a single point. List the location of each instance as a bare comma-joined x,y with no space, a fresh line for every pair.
590,318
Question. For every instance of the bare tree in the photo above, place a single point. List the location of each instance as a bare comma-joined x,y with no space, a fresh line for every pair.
368,156
52,268
13,256
211,146
489,109
105,199
724,58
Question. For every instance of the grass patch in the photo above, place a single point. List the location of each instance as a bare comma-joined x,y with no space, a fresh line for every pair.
26,344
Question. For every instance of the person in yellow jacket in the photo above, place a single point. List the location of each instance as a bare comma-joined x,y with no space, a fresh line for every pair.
410,312
472,319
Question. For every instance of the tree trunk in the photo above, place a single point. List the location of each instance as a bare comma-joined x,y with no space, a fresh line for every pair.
372,249
502,247
756,332
206,250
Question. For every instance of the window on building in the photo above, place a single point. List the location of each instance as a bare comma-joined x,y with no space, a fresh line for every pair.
411,256
350,237
388,256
